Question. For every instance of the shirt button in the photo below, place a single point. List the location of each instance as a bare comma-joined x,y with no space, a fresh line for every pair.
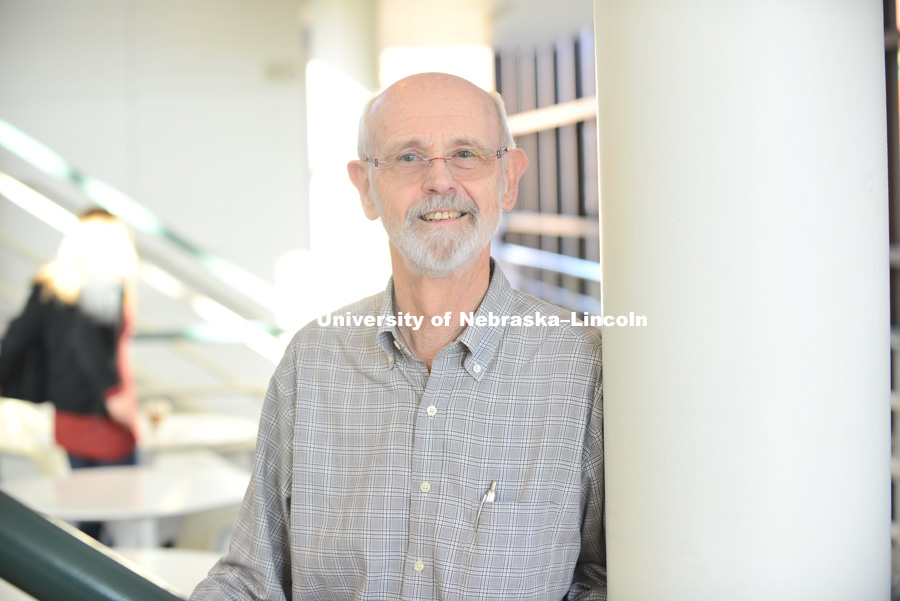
390,359
419,566
431,411
425,487
476,368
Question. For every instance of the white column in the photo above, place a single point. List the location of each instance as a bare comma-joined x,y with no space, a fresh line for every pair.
744,212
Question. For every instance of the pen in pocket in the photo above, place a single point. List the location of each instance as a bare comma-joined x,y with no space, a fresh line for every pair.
488,497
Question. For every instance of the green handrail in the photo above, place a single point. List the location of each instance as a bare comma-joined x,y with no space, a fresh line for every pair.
48,563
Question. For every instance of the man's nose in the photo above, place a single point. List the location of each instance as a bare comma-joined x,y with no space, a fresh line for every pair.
438,177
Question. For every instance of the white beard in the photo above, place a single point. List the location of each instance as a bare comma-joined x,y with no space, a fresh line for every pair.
429,252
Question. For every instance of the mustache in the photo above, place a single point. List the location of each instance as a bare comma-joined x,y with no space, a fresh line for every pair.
452,201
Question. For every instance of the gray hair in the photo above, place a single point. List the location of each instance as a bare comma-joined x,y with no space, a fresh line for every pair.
362,141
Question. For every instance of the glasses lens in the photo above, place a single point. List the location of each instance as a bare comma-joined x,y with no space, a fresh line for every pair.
408,165
468,168
464,165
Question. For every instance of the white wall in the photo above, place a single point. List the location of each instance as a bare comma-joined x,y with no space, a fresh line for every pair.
192,108
538,21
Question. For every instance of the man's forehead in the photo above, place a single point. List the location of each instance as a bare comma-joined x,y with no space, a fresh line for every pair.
436,87
431,102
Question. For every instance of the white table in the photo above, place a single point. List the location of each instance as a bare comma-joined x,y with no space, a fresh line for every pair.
130,499
180,569
179,431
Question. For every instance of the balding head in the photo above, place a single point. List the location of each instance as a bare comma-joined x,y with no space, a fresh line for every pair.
438,92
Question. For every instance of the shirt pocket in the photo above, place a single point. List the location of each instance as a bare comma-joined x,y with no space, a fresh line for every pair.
515,524
516,544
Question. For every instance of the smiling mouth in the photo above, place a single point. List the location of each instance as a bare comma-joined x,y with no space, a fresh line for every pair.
441,215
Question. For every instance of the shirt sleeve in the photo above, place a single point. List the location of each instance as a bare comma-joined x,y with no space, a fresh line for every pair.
257,565
589,581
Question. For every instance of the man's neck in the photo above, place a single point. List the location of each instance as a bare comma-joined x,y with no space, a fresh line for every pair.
430,298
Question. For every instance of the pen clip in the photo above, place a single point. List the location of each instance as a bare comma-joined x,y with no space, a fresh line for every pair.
491,494
488,497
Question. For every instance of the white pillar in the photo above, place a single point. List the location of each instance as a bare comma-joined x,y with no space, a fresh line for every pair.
744,212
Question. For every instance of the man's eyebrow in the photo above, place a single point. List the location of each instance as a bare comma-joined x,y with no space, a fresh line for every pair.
421,145
413,143
466,142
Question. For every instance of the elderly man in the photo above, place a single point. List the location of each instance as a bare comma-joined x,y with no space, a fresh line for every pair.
442,439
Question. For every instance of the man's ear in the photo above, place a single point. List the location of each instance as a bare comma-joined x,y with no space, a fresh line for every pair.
359,175
516,164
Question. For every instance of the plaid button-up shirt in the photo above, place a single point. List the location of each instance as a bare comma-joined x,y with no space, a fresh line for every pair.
370,471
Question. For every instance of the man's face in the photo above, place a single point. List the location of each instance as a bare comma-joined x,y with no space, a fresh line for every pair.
436,222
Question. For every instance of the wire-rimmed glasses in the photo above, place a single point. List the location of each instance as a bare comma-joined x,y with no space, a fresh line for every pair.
465,164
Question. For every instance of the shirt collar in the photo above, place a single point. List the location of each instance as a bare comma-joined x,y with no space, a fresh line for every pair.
482,342
387,334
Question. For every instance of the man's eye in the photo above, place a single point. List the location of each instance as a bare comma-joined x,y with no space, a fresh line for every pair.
466,154
408,158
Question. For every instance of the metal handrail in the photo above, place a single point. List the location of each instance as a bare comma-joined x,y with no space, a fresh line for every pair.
41,558
532,257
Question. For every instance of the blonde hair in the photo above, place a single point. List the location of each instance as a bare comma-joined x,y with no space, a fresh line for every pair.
99,247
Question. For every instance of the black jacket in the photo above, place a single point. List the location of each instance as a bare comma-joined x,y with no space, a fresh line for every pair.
58,352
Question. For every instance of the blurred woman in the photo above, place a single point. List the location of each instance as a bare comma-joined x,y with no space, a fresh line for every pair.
73,337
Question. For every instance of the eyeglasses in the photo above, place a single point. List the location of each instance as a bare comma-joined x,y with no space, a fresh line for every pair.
465,165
